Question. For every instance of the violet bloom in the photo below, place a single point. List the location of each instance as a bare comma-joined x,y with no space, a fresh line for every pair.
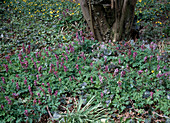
55,73
25,82
77,67
39,102
129,52
3,80
39,69
56,92
65,68
23,47
36,55
145,58
91,78
119,61
9,101
35,66
70,78
77,36
26,113
37,77
50,91
158,67
17,86
123,73
158,58
40,54
142,47
35,83
79,72
2,106
151,94
29,49
47,54
119,83
66,57
101,78
106,68
134,55
56,56
6,67
39,95
34,101
101,95
57,64
140,71
29,88
116,71
91,64
151,57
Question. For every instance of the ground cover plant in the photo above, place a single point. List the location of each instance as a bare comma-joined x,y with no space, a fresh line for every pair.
49,61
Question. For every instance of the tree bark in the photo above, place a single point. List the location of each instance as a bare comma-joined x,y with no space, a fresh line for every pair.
109,19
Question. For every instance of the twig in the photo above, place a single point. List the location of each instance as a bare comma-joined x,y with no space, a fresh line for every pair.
49,112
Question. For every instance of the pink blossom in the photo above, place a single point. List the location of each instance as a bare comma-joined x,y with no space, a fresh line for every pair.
145,58
123,73
2,106
34,101
70,78
129,52
134,55
101,95
101,78
3,80
25,82
91,78
26,113
151,93
56,92
39,69
119,61
17,86
77,67
65,68
106,68
116,71
140,71
35,83
158,67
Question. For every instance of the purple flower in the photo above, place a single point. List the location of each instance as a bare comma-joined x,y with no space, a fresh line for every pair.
35,66
56,56
91,64
140,71
116,71
37,77
70,78
2,106
34,101
56,92
3,80
77,67
9,101
101,78
47,54
23,47
146,70
39,69
25,81
39,101
79,72
123,73
66,57
101,95
158,67
145,58
49,91
142,47
91,78
35,83
158,58
6,67
83,38
129,52
17,86
106,68
119,61
134,55
151,93
55,73
119,83
39,95
65,68
26,113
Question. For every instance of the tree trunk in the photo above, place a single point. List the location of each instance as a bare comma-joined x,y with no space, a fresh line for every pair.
109,19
